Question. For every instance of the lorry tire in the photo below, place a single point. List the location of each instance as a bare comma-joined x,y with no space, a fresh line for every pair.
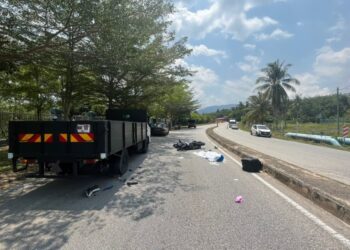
123,162
119,164
145,146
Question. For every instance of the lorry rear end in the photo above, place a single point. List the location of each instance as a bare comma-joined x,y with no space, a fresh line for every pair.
60,142
72,145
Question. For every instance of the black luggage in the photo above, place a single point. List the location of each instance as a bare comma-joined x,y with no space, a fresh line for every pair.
251,164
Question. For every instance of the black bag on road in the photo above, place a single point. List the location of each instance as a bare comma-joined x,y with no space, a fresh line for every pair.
251,164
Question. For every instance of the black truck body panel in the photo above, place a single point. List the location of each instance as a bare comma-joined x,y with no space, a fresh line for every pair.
104,137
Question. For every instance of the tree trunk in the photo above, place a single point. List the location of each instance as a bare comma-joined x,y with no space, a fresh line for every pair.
69,84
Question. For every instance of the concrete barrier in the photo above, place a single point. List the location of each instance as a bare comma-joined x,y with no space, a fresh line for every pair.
327,193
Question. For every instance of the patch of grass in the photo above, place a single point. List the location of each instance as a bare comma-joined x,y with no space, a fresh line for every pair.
5,164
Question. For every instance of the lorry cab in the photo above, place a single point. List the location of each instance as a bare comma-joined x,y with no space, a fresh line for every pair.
233,124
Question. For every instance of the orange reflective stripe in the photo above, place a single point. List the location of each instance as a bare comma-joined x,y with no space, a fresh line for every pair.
89,137
77,137
36,138
82,137
74,138
48,138
30,138
63,137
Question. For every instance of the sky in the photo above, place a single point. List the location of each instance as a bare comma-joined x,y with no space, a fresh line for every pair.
232,40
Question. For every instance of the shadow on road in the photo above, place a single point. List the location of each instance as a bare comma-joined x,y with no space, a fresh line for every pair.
43,213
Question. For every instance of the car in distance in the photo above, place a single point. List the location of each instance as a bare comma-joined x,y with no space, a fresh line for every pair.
191,123
232,124
260,130
159,129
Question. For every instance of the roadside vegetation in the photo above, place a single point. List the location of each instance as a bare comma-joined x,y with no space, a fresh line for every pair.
5,164
79,56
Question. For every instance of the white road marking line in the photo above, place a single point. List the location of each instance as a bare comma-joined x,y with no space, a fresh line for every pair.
316,220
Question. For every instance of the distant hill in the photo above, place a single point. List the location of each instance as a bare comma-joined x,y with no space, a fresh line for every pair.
211,109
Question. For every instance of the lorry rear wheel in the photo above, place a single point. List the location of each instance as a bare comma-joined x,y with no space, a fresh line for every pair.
119,164
123,162
145,146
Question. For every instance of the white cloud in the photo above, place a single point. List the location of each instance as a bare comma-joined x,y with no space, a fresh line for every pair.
202,50
309,86
330,69
226,16
210,90
202,80
250,64
336,31
300,24
332,63
276,35
249,46
339,26
333,39
240,89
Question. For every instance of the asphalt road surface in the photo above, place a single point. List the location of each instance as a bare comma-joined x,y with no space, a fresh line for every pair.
329,162
181,201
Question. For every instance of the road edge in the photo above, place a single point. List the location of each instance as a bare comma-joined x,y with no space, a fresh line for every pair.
323,199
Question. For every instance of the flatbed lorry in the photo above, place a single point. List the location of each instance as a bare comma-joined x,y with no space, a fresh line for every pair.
72,145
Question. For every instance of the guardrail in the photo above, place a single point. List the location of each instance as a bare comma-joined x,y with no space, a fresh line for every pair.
316,138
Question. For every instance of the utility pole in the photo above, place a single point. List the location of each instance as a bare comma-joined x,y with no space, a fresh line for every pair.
338,111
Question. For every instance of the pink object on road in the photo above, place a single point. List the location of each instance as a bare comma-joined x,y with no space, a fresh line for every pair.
239,199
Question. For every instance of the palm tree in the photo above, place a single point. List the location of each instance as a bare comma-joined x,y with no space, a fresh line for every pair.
259,108
275,83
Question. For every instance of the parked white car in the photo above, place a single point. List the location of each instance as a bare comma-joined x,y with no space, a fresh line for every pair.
233,124
260,130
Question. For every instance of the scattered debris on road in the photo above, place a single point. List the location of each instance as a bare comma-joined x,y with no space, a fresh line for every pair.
239,199
107,188
183,146
131,183
210,156
92,190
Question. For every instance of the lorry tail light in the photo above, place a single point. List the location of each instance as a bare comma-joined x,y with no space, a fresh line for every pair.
90,161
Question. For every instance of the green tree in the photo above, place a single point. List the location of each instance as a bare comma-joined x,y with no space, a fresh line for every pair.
275,82
135,52
259,108
176,105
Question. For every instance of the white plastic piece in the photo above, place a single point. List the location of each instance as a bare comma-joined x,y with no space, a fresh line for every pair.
209,155
103,156
10,156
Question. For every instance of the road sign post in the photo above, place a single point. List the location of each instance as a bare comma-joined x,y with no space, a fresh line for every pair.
345,132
